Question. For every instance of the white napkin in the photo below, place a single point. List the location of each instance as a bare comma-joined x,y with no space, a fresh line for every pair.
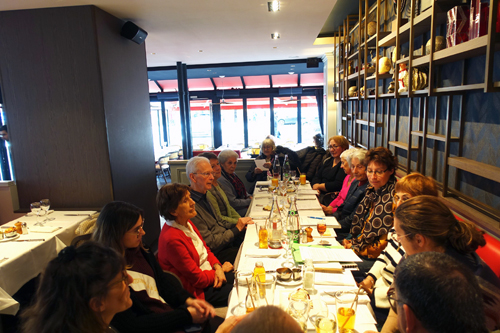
263,253
47,229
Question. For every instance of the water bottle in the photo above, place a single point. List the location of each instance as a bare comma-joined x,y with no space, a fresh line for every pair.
308,275
276,168
286,168
293,222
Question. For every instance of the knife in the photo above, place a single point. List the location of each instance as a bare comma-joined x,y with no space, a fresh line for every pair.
76,214
30,240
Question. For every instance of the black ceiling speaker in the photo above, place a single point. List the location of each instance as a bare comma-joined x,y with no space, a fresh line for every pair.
133,32
312,62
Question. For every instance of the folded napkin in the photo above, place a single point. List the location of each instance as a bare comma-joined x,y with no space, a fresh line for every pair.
47,229
263,253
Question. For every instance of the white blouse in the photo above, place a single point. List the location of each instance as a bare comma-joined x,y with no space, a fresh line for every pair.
204,264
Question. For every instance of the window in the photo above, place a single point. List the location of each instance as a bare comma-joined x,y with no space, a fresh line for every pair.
174,129
285,119
309,119
233,133
5,158
201,124
157,125
258,113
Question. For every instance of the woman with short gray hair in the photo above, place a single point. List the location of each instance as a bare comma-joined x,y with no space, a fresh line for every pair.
231,184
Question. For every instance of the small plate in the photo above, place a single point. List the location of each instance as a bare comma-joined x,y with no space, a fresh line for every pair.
10,239
290,283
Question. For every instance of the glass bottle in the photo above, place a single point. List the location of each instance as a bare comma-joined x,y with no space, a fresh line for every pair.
276,169
293,221
286,168
308,275
259,272
275,225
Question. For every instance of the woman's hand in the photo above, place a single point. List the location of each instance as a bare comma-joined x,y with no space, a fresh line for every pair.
328,210
268,165
198,316
228,324
227,267
347,244
201,306
319,187
257,171
220,278
367,284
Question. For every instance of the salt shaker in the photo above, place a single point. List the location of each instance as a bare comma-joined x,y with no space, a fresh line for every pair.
25,228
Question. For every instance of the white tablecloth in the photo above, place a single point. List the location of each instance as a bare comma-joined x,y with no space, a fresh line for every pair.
28,259
364,319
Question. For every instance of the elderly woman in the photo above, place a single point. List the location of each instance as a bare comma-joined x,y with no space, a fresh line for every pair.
216,196
267,149
231,184
381,275
160,303
345,159
330,175
425,224
373,218
182,251
80,291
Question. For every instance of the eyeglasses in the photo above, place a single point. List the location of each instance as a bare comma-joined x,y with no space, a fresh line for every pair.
204,174
333,147
391,295
137,230
377,172
123,279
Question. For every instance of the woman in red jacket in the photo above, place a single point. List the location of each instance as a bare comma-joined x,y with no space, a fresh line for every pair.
182,250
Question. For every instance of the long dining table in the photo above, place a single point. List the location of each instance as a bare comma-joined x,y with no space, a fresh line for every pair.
25,256
309,210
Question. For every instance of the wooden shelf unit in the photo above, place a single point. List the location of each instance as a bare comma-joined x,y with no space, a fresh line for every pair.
418,140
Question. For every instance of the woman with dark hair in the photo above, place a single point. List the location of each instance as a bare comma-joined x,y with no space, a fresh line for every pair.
182,250
424,224
373,218
160,304
311,157
80,291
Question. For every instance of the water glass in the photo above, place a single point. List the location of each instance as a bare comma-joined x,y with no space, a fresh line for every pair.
346,303
266,289
35,209
45,206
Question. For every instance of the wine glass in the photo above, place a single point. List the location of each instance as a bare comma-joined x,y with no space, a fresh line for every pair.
321,230
35,209
286,241
283,187
45,205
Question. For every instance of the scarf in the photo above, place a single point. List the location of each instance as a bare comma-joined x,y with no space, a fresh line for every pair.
241,191
373,218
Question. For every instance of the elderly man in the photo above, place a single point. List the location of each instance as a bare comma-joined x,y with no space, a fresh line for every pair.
223,242
435,293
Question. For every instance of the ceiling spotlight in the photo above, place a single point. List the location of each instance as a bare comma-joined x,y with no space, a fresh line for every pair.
275,35
273,6
200,51
290,73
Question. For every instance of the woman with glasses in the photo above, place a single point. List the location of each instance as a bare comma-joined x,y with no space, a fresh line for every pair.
182,251
160,303
381,275
424,224
373,218
330,175
80,291
232,185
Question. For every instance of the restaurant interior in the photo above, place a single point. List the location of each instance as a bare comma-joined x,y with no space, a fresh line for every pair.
94,116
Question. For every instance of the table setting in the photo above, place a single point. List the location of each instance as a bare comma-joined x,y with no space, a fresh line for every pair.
310,290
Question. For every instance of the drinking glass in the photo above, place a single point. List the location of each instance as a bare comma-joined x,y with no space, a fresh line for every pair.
324,324
243,280
346,303
286,242
318,310
35,209
321,230
283,187
45,206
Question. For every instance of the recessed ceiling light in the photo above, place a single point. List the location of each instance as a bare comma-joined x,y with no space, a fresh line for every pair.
273,6
275,35
209,70
294,65
200,51
222,76
290,73
152,53
275,47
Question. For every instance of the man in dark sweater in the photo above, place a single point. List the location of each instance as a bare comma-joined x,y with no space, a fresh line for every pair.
223,242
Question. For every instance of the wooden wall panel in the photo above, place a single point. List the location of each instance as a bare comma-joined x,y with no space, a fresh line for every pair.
54,105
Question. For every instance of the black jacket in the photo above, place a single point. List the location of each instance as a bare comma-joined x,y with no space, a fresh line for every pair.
345,212
332,176
281,151
311,159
